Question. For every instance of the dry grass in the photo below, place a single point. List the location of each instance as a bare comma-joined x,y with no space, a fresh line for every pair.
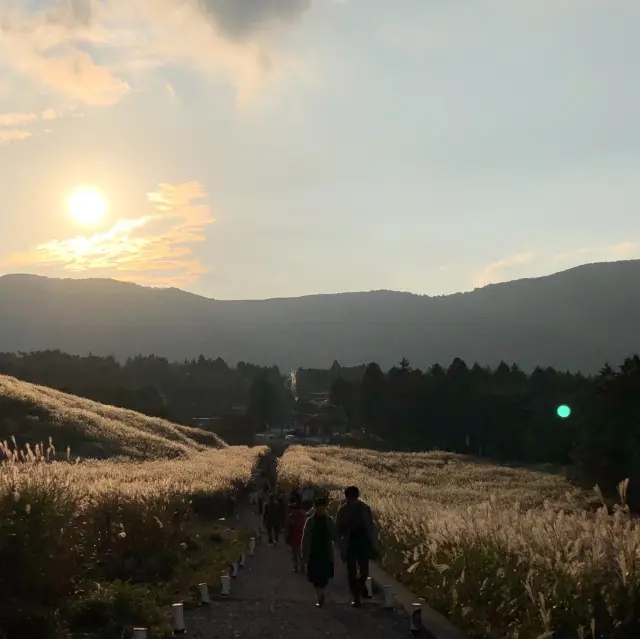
105,535
503,552
38,411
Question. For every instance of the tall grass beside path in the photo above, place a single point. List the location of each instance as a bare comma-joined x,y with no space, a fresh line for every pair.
104,533
502,552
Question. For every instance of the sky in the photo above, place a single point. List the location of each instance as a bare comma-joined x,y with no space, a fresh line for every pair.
247,149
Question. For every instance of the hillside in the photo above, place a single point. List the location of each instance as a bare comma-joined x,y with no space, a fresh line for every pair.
33,413
576,319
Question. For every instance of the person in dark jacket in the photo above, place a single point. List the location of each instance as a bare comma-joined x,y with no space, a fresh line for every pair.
295,528
358,541
318,540
274,518
260,502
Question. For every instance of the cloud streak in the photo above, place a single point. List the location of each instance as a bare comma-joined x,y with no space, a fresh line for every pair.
16,119
12,125
14,135
498,271
154,249
607,253
503,270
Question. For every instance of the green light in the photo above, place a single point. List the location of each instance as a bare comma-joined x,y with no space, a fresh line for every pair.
563,411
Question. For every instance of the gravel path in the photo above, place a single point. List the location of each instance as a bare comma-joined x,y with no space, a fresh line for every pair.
269,601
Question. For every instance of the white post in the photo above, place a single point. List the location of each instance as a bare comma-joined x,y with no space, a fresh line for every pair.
234,569
139,633
225,584
204,594
177,613
252,546
369,586
388,597
242,560
416,616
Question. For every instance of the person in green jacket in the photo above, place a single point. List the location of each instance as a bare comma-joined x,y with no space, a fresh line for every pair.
318,540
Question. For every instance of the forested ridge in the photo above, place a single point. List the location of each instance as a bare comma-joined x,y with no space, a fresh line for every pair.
575,319
502,412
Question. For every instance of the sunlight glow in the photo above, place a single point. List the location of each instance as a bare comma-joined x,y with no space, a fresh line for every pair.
87,206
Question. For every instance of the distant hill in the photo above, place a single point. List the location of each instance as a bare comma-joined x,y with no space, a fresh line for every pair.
33,413
576,319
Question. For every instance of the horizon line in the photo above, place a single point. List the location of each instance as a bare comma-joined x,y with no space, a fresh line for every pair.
294,297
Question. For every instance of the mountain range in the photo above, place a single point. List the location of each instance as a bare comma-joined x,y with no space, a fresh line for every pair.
577,319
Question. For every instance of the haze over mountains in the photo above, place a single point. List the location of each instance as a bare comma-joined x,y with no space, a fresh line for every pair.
577,319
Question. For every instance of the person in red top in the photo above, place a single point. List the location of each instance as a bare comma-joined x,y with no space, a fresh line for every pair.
295,528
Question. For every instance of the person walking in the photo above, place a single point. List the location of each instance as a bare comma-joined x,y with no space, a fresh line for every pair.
295,495
308,496
295,529
318,539
358,542
260,502
274,517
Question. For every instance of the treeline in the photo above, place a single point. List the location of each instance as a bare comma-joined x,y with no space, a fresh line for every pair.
505,414
152,385
502,413
181,391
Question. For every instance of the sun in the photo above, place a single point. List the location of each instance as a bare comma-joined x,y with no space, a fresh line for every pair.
87,206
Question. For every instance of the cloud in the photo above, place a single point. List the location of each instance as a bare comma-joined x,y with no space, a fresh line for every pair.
9,122
605,253
239,20
171,90
623,250
58,47
13,135
494,272
568,256
46,46
152,249
16,119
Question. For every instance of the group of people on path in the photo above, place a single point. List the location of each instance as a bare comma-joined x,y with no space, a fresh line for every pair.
313,536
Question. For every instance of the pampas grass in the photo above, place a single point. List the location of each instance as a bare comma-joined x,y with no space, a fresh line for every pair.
505,553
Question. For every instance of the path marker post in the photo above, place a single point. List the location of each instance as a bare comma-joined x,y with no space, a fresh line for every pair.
242,560
388,597
139,633
234,569
225,584
415,617
252,546
204,594
369,586
177,614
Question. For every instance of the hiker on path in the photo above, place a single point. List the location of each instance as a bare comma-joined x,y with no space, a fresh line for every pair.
260,502
295,529
318,540
274,518
358,541
295,495
308,496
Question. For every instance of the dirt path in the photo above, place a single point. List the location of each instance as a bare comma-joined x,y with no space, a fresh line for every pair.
270,601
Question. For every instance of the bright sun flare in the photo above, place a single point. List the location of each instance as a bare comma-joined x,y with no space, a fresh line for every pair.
87,206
